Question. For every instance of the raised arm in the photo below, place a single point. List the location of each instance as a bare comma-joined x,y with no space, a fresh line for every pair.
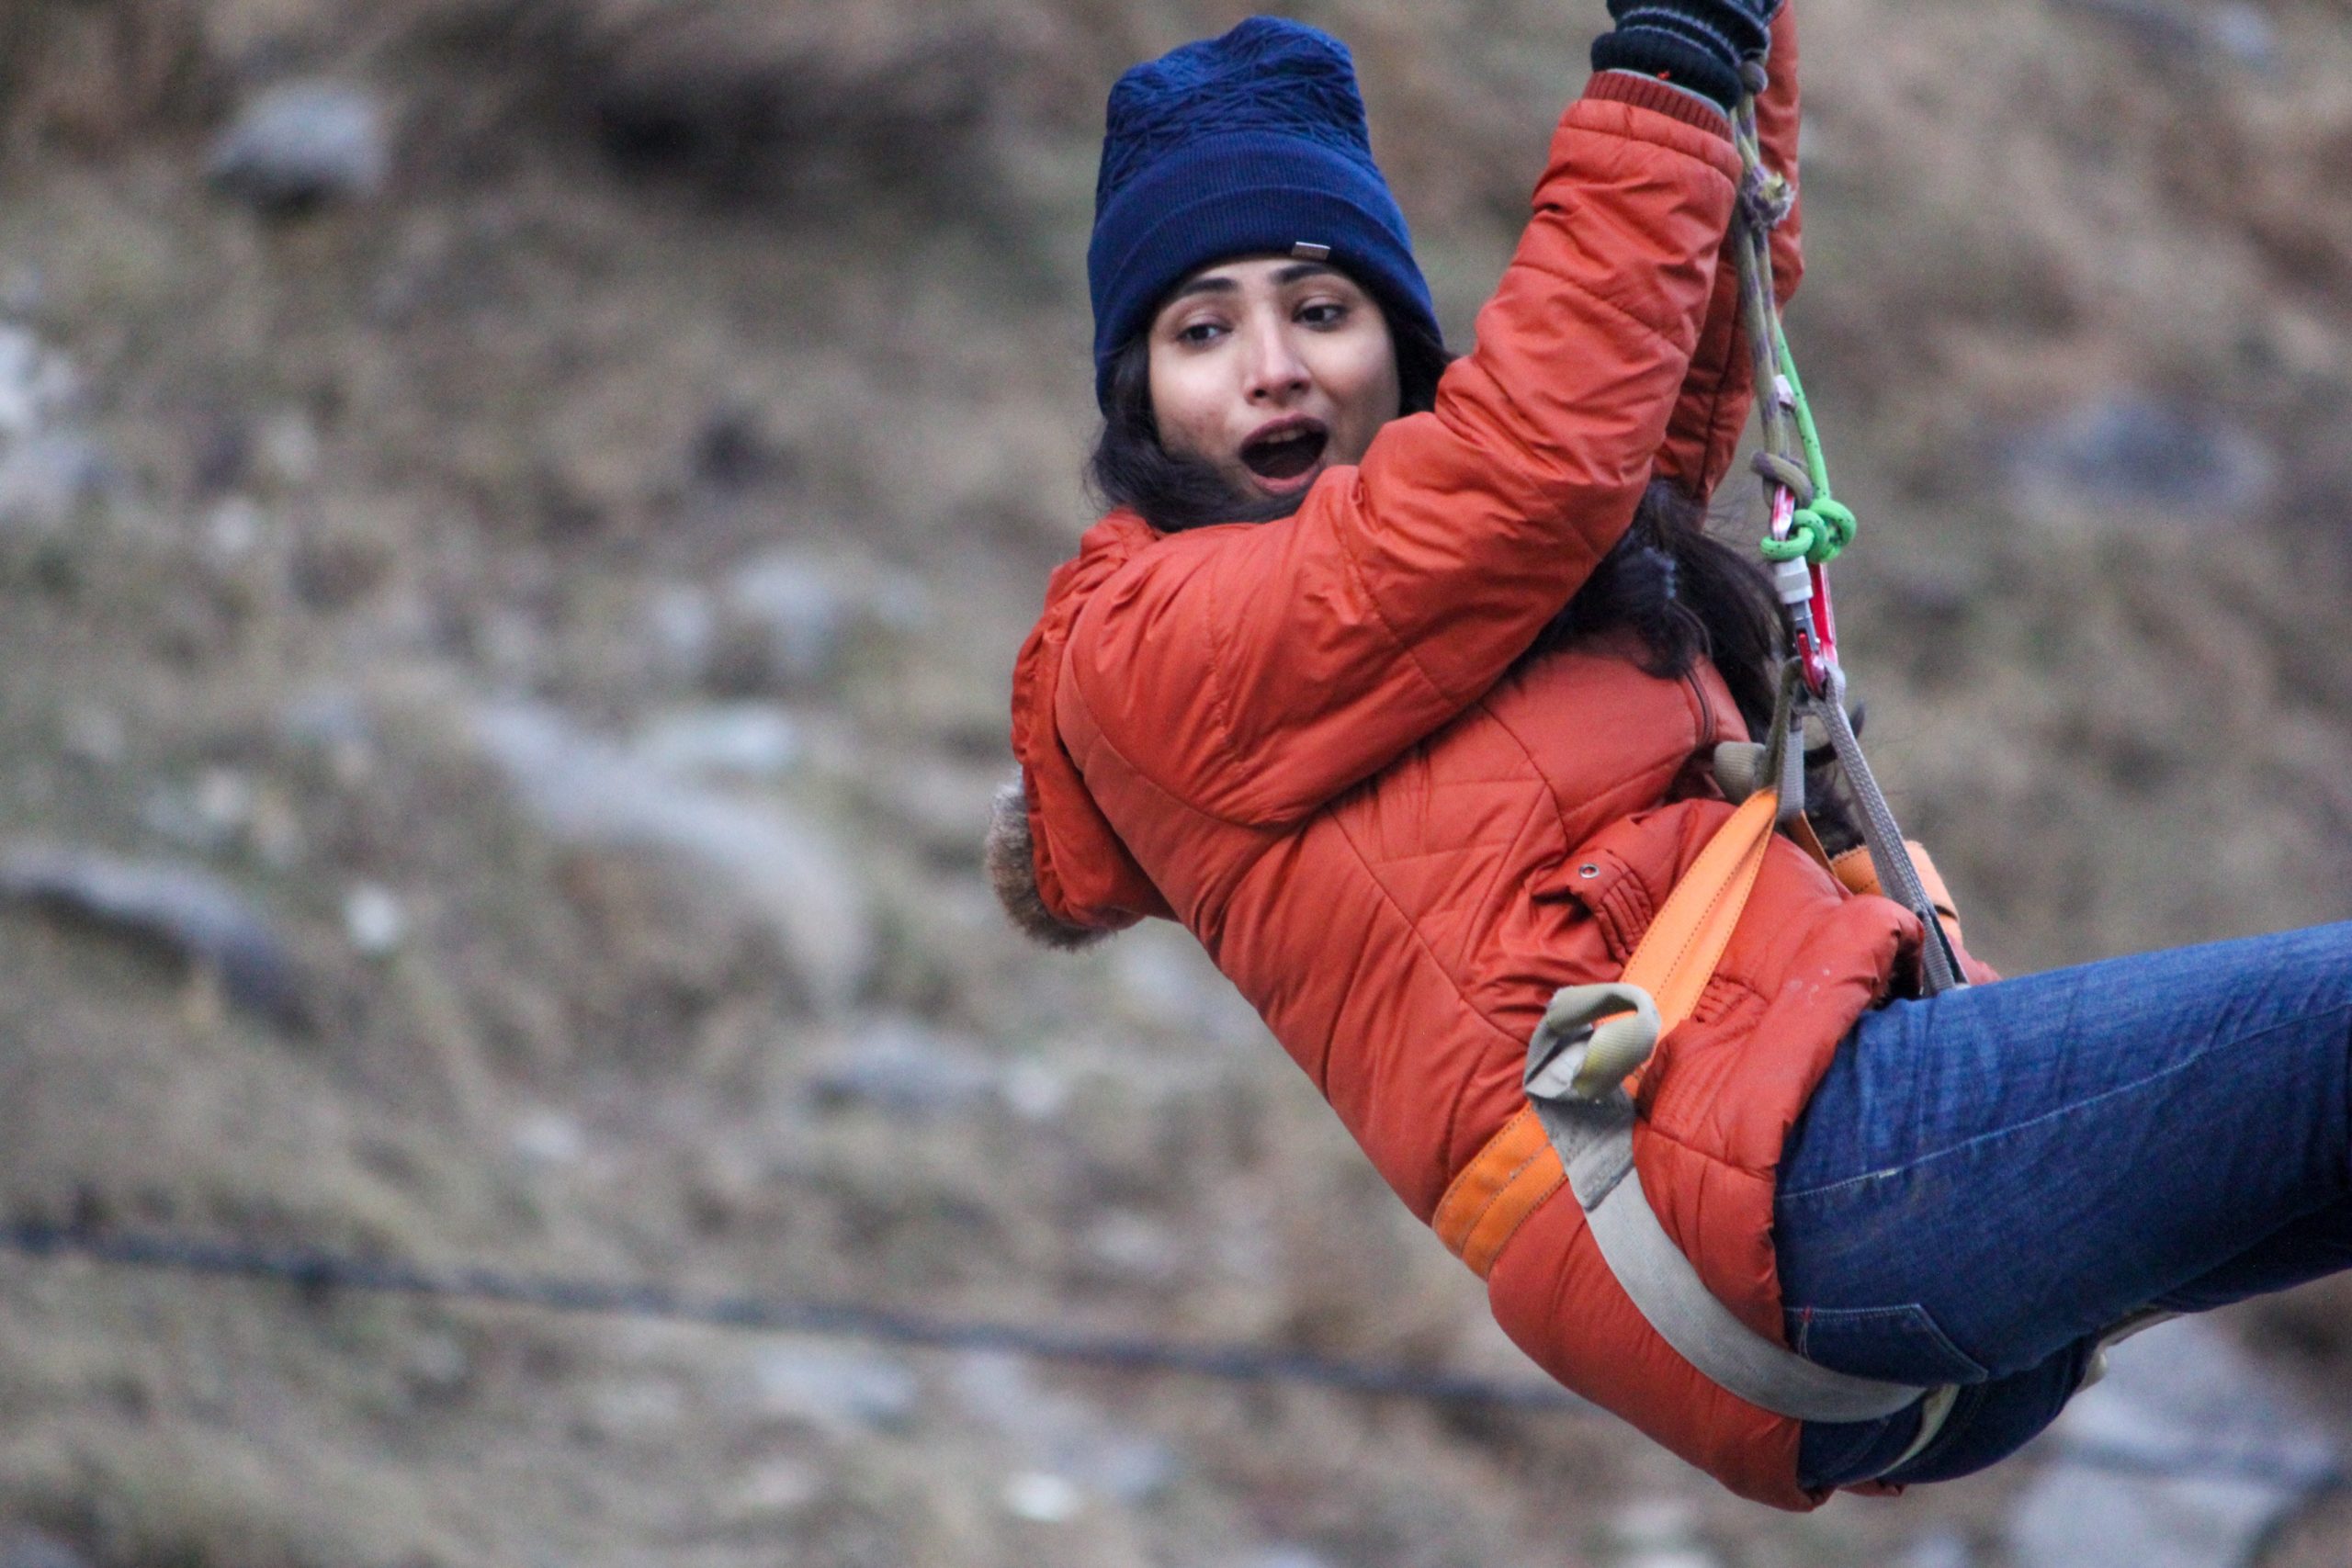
1705,432
1255,671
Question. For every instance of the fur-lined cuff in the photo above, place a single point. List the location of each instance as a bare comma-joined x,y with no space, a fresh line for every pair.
1012,872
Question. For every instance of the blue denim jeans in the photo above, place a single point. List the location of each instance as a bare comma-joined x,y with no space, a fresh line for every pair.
1987,1181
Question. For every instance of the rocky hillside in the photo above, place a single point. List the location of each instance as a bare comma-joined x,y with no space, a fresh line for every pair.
514,518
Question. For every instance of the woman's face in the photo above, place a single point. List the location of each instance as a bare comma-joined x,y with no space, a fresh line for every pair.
1271,369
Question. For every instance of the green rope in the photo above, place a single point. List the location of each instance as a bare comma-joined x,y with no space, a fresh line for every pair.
1817,534
1807,432
1822,525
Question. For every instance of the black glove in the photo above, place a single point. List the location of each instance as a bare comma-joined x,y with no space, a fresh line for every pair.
1697,44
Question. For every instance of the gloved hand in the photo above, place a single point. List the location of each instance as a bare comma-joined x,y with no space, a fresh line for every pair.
1697,44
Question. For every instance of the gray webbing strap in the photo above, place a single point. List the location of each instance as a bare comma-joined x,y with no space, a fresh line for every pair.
1897,877
1593,1037
1594,1138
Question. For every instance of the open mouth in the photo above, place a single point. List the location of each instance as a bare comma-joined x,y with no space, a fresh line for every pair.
1287,451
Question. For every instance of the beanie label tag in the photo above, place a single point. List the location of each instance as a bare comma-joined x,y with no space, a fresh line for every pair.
1307,250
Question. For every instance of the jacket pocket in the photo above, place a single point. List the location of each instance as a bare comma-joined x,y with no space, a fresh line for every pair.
1899,1344
1615,896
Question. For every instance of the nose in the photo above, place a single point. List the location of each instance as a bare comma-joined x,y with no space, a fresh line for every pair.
1276,372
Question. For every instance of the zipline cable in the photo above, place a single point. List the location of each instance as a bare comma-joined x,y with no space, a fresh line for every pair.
318,1272
315,1271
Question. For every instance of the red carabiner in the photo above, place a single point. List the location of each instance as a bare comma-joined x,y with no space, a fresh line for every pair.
1815,622
1821,647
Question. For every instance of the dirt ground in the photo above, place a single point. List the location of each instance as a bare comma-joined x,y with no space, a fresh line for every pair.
565,594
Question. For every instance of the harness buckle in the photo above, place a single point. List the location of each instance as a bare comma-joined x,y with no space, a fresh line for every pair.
1591,1040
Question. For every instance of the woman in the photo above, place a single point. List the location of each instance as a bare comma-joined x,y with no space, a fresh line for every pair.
1395,683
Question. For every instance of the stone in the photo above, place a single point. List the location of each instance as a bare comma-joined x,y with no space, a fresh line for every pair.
744,741
374,920
189,912
780,866
37,385
334,723
1133,1246
2244,33
680,625
798,611
286,449
779,1488
1938,1549
437,1367
1041,1497
212,813
235,530
898,1064
47,480
1130,1469
834,1388
549,1138
49,467
302,145
1036,1091
799,614
1060,1435
1658,1532
2142,457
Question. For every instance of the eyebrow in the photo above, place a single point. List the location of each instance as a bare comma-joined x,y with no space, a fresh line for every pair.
1216,284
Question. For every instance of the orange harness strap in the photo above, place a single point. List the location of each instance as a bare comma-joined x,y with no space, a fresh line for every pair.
1518,1170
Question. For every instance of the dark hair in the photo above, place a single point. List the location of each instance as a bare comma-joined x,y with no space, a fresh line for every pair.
1686,594
1689,596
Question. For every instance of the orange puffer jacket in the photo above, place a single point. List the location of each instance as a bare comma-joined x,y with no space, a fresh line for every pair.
1315,743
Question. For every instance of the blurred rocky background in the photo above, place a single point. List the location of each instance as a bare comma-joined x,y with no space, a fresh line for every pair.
514,520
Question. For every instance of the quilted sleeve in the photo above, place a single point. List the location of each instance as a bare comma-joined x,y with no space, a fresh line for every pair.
1716,395
1256,672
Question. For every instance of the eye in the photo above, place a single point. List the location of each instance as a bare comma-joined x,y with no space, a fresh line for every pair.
1323,313
1200,335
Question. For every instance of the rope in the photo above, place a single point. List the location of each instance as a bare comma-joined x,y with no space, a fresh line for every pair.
1821,526
318,1273
315,1271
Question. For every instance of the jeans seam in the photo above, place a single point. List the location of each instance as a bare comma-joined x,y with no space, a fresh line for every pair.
1795,1195
1909,1320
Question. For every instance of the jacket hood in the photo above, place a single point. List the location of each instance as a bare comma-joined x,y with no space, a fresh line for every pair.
1057,866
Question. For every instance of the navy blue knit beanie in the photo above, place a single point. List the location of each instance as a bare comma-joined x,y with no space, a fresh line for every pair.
1252,144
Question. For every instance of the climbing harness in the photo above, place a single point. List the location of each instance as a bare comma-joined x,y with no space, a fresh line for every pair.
1583,1063
1577,1128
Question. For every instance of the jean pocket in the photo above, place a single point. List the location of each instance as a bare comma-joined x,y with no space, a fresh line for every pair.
1897,1344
